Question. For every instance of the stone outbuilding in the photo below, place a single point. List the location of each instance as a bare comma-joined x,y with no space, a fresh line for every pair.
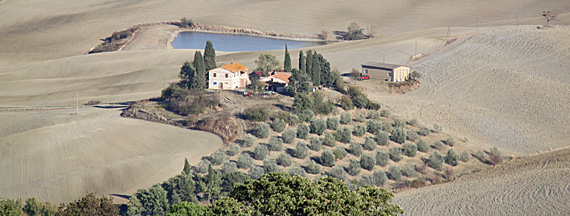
230,76
276,82
385,72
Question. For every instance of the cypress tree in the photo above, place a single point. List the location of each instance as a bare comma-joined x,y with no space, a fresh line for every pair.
199,81
302,65
187,74
186,166
315,70
209,56
309,64
287,61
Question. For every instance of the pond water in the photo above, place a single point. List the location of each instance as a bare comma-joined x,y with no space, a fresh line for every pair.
236,43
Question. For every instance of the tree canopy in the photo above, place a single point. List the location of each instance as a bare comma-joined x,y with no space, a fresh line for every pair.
287,60
267,62
209,56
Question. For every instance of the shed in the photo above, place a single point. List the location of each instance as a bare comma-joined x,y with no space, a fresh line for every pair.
386,72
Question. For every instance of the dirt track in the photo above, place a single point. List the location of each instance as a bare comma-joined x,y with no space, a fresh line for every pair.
537,185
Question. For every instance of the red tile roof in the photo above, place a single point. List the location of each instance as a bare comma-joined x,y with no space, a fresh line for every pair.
282,76
235,67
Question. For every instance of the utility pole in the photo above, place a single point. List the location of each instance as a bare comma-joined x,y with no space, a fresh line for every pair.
448,33
477,24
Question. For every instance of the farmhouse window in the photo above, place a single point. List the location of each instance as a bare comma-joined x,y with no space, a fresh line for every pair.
214,74
226,75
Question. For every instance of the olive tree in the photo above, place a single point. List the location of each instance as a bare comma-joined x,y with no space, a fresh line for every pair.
367,162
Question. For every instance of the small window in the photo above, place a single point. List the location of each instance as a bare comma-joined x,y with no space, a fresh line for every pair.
214,76
365,71
226,75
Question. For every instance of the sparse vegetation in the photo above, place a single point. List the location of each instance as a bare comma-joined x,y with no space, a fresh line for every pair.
465,156
450,141
495,156
256,114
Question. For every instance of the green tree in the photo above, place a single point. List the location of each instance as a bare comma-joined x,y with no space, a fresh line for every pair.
395,154
260,152
398,135
11,207
302,64
89,205
353,168
34,207
284,160
288,136
345,118
451,157
355,149
187,208
275,144
262,130
187,75
282,194
435,161
382,158
298,83
315,70
313,167
309,64
302,131
244,161
410,149
301,150
327,158
199,81
345,134
187,168
267,62
367,161
287,60
302,102
278,125
209,56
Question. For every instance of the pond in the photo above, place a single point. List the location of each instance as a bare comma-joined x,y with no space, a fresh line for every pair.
237,43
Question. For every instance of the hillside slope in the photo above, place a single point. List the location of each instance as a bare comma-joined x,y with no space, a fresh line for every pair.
508,88
536,185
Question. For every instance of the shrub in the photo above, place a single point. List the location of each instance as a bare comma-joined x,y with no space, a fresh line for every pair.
373,126
256,172
309,115
413,122
315,144
260,152
219,157
340,153
410,149
302,131
270,165
297,170
256,114
480,155
262,130
313,167
424,131
248,140
345,134
382,158
359,118
399,123
275,144
373,114
329,140
409,170
229,167
278,125
438,144
386,126
495,156
451,157
346,103
318,126
411,135
394,173
234,149
385,113
327,158
356,149
367,162
366,180
380,178
395,154
284,160
332,123
288,136
465,156
359,130
437,128
203,166
244,161
353,168
369,144
382,138
422,145
338,173
435,161
450,141
345,118
398,135
301,150
371,105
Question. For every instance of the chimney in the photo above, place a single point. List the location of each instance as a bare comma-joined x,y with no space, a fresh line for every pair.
232,61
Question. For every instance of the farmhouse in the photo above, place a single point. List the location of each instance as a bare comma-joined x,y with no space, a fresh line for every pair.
276,82
230,76
386,72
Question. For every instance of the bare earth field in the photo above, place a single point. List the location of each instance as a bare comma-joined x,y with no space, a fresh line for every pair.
505,87
537,185
56,156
